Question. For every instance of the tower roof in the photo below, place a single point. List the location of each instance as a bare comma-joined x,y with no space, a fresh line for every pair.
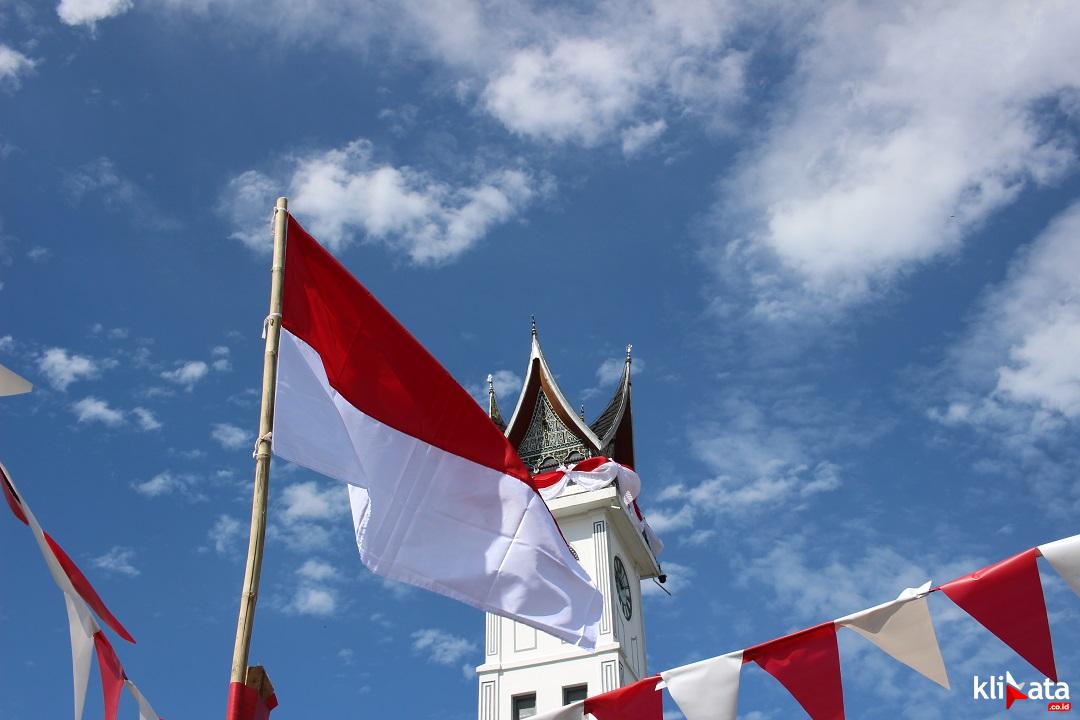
545,429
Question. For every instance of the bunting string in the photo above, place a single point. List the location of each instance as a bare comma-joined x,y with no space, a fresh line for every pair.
1006,598
83,604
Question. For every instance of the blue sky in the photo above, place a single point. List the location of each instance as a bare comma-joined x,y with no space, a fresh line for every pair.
843,237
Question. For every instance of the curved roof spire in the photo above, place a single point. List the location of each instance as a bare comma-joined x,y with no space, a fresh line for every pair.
614,424
539,379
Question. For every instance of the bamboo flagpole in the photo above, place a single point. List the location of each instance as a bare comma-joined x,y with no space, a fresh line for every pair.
257,537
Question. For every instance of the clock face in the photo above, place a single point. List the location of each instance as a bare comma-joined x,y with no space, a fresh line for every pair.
622,588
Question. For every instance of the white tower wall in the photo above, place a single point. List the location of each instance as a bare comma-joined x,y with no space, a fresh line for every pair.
519,660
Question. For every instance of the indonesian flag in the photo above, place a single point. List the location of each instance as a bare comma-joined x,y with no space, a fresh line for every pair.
439,498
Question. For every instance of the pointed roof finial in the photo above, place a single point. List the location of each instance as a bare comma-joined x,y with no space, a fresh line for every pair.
533,325
581,413
628,349
493,404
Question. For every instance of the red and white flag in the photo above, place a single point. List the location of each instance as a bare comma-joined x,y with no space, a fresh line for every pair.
440,499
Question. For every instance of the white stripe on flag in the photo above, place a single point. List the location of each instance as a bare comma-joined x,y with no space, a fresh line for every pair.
431,518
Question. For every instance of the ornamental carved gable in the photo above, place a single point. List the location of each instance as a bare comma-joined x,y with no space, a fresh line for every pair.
548,437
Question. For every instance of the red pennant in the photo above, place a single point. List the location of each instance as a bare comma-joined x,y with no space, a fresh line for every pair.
13,499
245,703
807,663
543,480
640,701
86,590
1007,599
112,674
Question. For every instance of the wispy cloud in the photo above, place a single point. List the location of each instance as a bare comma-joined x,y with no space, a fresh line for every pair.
96,410
443,648
170,483
883,157
230,436
226,535
62,368
348,195
14,66
146,419
187,374
89,12
118,560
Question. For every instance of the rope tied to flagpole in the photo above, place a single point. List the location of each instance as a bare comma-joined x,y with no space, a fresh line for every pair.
268,436
266,322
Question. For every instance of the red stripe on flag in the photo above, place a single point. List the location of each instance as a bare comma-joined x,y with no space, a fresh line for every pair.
591,464
245,703
807,663
112,675
547,479
85,589
1007,599
640,701
377,365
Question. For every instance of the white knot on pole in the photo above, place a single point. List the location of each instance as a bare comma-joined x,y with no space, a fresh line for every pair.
266,322
265,436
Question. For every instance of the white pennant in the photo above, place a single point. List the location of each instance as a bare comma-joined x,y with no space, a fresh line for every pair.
708,689
1064,555
12,384
145,711
81,627
903,629
573,711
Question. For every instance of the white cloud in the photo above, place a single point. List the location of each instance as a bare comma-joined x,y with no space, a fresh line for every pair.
307,501
226,534
637,138
903,129
62,369
115,192
1011,378
679,578
345,194
187,374
92,409
309,509
88,12
221,361
38,254
441,647
13,66
507,384
164,483
317,571
117,560
580,90
313,600
146,419
230,436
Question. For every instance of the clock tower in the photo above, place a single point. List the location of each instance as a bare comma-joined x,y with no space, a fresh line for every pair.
526,671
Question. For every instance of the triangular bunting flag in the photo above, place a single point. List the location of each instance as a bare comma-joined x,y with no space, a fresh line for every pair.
640,701
145,711
12,384
64,571
112,675
1007,599
903,628
81,627
573,711
709,689
1064,555
807,663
